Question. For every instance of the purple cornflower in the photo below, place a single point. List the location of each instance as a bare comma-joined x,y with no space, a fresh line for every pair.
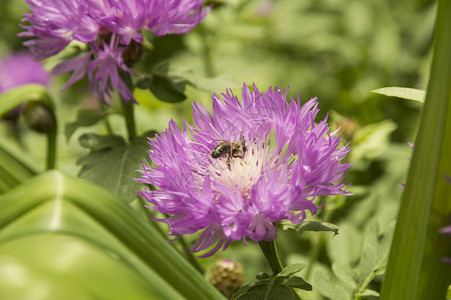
20,68
112,30
275,161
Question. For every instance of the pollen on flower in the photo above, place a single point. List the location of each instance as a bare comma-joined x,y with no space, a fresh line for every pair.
242,172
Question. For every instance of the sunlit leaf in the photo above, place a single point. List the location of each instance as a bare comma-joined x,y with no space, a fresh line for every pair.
21,94
64,238
402,92
309,225
374,253
372,140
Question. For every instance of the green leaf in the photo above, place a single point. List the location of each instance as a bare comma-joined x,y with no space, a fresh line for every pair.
242,290
96,142
13,171
209,84
291,269
69,239
372,140
167,90
414,269
309,225
112,163
278,287
401,92
375,253
298,282
262,276
85,117
164,86
21,94
328,285
345,274
265,292
346,247
368,294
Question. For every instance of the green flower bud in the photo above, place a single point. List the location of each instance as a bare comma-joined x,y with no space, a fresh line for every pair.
39,117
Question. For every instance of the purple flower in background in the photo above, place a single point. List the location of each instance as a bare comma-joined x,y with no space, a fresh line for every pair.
18,69
112,29
21,68
243,167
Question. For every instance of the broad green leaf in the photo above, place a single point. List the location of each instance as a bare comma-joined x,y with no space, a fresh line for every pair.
85,117
345,248
309,225
374,253
328,285
242,290
21,94
415,270
345,274
402,92
67,238
372,140
63,266
274,287
112,163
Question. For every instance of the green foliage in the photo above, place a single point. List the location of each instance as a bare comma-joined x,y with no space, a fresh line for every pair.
278,286
309,225
349,282
338,50
85,117
415,270
66,245
164,86
14,97
112,163
404,93
13,171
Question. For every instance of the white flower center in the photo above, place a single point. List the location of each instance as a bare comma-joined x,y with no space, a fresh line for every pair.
241,172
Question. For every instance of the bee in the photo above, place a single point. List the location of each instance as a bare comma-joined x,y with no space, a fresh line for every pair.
231,149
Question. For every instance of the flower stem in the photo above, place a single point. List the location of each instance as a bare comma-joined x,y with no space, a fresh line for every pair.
207,55
270,251
51,149
105,119
129,115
